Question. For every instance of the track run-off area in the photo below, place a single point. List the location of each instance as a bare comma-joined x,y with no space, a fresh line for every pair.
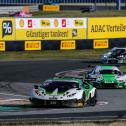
18,77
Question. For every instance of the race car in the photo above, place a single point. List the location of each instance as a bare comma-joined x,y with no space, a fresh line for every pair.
64,91
116,55
106,77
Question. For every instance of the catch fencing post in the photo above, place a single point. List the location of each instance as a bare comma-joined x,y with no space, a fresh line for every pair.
118,5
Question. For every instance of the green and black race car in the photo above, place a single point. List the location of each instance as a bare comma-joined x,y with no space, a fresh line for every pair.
64,91
106,77
116,55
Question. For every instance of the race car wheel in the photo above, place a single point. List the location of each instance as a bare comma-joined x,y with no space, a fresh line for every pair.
83,100
93,100
124,60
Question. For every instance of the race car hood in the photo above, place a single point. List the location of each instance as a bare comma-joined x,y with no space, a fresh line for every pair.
121,78
108,78
74,93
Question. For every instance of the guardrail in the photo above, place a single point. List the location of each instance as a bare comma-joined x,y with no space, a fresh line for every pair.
55,1
7,10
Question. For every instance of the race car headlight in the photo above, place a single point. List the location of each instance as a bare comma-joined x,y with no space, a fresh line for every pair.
39,92
70,95
120,80
99,78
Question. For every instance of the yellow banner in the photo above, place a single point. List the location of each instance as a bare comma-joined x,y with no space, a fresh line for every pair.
51,8
101,28
45,23
67,44
32,45
99,44
78,22
2,46
50,34
7,29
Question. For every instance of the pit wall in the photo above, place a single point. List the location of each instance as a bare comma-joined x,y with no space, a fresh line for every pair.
19,34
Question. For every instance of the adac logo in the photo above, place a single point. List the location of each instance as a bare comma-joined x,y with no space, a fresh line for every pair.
45,23
78,23
7,28
30,23
21,23
56,23
63,22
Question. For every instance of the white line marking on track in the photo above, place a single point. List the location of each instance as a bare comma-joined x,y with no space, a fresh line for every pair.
102,103
12,100
9,94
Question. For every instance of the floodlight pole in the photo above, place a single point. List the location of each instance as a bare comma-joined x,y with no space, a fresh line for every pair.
118,5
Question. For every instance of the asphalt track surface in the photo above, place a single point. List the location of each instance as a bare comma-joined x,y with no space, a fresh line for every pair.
18,77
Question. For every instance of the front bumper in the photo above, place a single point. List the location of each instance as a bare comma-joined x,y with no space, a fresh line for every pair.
67,103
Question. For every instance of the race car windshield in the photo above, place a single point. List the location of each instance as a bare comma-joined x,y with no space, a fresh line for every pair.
110,72
62,86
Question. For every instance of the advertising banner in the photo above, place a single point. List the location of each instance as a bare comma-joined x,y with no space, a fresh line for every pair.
7,29
32,45
99,44
67,44
2,46
102,28
51,28
51,8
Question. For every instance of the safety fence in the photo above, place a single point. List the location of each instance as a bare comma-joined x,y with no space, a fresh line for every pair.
61,33
56,1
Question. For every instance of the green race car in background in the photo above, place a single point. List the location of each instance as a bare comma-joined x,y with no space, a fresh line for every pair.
64,91
106,77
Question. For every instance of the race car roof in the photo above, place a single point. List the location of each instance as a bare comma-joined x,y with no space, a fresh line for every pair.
98,68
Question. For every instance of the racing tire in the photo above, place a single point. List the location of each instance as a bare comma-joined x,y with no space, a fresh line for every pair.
93,100
124,60
83,101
